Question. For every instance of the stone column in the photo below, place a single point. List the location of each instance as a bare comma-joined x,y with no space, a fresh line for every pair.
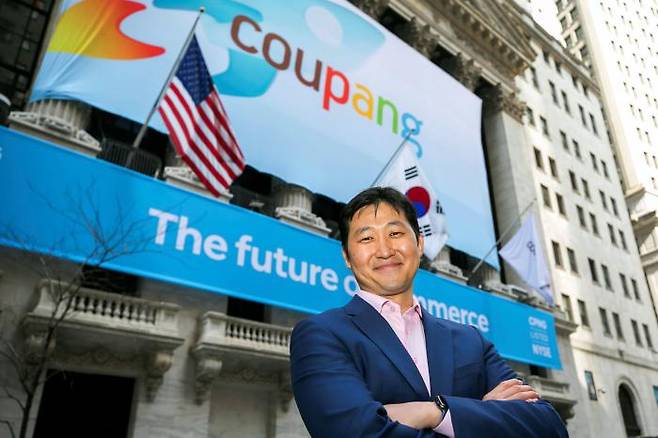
178,173
374,8
512,182
295,207
5,108
59,121
442,265
464,70
182,176
420,37
500,99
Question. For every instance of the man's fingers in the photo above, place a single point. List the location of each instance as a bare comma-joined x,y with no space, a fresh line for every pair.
512,390
523,395
508,383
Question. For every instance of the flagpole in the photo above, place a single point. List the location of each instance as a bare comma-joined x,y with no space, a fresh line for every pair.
395,154
172,73
502,236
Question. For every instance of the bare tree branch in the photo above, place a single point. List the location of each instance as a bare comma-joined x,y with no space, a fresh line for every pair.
10,427
14,398
101,237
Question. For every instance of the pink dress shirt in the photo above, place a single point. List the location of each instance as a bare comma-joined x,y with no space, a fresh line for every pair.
408,327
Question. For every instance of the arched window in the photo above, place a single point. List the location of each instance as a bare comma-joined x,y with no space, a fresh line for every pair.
627,403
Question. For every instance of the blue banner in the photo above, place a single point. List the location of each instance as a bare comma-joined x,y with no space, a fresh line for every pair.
64,203
309,85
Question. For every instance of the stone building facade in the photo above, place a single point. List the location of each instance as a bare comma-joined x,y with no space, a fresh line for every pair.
197,364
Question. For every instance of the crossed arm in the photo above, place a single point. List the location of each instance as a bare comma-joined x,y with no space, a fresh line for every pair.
423,415
334,401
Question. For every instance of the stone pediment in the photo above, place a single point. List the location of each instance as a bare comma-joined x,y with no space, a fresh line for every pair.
498,14
491,28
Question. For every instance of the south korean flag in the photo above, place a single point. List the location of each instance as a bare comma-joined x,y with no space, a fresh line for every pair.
404,174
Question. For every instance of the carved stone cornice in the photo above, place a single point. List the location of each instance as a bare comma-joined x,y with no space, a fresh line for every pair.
207,370
35,346
234,350
157,364
295,207
374,8
102,329
493,34
97,358
420,37
466,72
182,176
285,390
498,99
60,121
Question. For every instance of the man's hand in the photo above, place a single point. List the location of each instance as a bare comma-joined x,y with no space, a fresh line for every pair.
419,415
512,389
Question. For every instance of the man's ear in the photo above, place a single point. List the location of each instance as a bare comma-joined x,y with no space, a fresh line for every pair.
346,257
421,243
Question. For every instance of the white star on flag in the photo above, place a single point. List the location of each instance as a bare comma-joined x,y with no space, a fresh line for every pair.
405,174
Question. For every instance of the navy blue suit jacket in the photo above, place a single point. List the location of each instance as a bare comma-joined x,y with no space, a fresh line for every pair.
347,363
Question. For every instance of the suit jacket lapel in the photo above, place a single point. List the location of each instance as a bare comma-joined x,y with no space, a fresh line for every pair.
380,332
438,340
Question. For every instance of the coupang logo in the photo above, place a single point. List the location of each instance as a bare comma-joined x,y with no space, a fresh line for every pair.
92,28
263,33
325,30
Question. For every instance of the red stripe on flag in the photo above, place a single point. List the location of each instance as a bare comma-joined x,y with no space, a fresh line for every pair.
193,114
209,185
192,145
223,121
220,140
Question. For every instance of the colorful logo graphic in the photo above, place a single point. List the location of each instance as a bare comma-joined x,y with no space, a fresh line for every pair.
420,199
93,28
261,41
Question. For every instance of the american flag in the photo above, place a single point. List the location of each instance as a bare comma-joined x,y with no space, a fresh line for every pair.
198,125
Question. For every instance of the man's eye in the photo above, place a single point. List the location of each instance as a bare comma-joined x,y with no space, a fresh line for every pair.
365,239
396,233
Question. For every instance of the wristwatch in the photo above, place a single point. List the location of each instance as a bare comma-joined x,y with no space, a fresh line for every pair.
441,403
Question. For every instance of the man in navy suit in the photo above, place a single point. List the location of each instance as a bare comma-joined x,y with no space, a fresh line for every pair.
381,366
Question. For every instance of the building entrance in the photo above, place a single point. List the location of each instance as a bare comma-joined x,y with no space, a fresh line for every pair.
628,412
83,405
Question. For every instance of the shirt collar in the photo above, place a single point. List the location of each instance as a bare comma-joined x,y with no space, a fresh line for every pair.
378,302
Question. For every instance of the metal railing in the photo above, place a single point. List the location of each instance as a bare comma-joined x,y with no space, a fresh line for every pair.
125,155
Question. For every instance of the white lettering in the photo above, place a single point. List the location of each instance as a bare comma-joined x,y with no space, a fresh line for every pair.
280,259
214,243
315,270
536,322
329,279
243,246
302,276
350,285
541,350
483,323
163,219
453,313
184,232
266,266
438,309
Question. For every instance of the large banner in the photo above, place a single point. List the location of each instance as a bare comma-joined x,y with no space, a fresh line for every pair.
63,203
318,93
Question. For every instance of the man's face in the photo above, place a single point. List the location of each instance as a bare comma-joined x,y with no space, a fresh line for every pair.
382,250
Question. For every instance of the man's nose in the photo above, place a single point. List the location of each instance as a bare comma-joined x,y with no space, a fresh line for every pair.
384,248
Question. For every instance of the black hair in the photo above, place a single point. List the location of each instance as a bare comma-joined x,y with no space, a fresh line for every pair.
375,196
